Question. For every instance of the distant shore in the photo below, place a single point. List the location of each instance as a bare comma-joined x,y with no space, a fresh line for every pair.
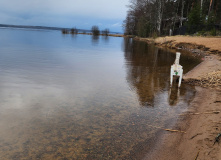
80,31
112,35
202,122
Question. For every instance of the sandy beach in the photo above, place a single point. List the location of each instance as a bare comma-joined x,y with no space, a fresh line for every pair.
202,122
212,43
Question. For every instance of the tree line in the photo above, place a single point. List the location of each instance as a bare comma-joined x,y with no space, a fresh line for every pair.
147,18
94,30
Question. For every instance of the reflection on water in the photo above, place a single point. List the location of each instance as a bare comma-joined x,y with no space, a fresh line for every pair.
95,39
105,39
62,97
174,94
148,70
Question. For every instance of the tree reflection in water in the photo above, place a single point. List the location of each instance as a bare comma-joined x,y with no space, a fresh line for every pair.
95,39
148,69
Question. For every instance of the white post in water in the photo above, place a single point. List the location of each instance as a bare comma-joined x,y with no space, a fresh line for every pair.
176,70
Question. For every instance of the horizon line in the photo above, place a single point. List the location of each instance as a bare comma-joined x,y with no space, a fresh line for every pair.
45,27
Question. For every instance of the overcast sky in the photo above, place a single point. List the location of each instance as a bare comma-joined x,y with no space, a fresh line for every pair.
65,13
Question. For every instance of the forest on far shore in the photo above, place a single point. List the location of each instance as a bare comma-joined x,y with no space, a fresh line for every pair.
150,18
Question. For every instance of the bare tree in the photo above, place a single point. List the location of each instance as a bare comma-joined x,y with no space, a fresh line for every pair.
95,30
105,32
145,17
160,8
201,4
211,6
181,17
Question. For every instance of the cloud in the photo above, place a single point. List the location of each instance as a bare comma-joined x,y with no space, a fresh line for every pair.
65,13
117,24
96,8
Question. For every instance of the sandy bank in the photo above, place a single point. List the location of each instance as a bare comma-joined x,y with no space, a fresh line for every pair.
211,43
199,45
202,122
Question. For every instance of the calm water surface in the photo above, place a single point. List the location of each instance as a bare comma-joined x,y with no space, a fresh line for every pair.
83,97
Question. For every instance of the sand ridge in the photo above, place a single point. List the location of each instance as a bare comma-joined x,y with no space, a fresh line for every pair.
212,43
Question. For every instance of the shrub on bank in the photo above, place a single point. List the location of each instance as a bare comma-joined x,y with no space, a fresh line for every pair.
95,30
74,30
212,32
64,31
106,32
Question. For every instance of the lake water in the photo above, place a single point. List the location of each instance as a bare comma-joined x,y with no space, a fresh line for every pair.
84,97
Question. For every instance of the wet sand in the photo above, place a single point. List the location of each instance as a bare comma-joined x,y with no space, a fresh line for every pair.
202,122
201,130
